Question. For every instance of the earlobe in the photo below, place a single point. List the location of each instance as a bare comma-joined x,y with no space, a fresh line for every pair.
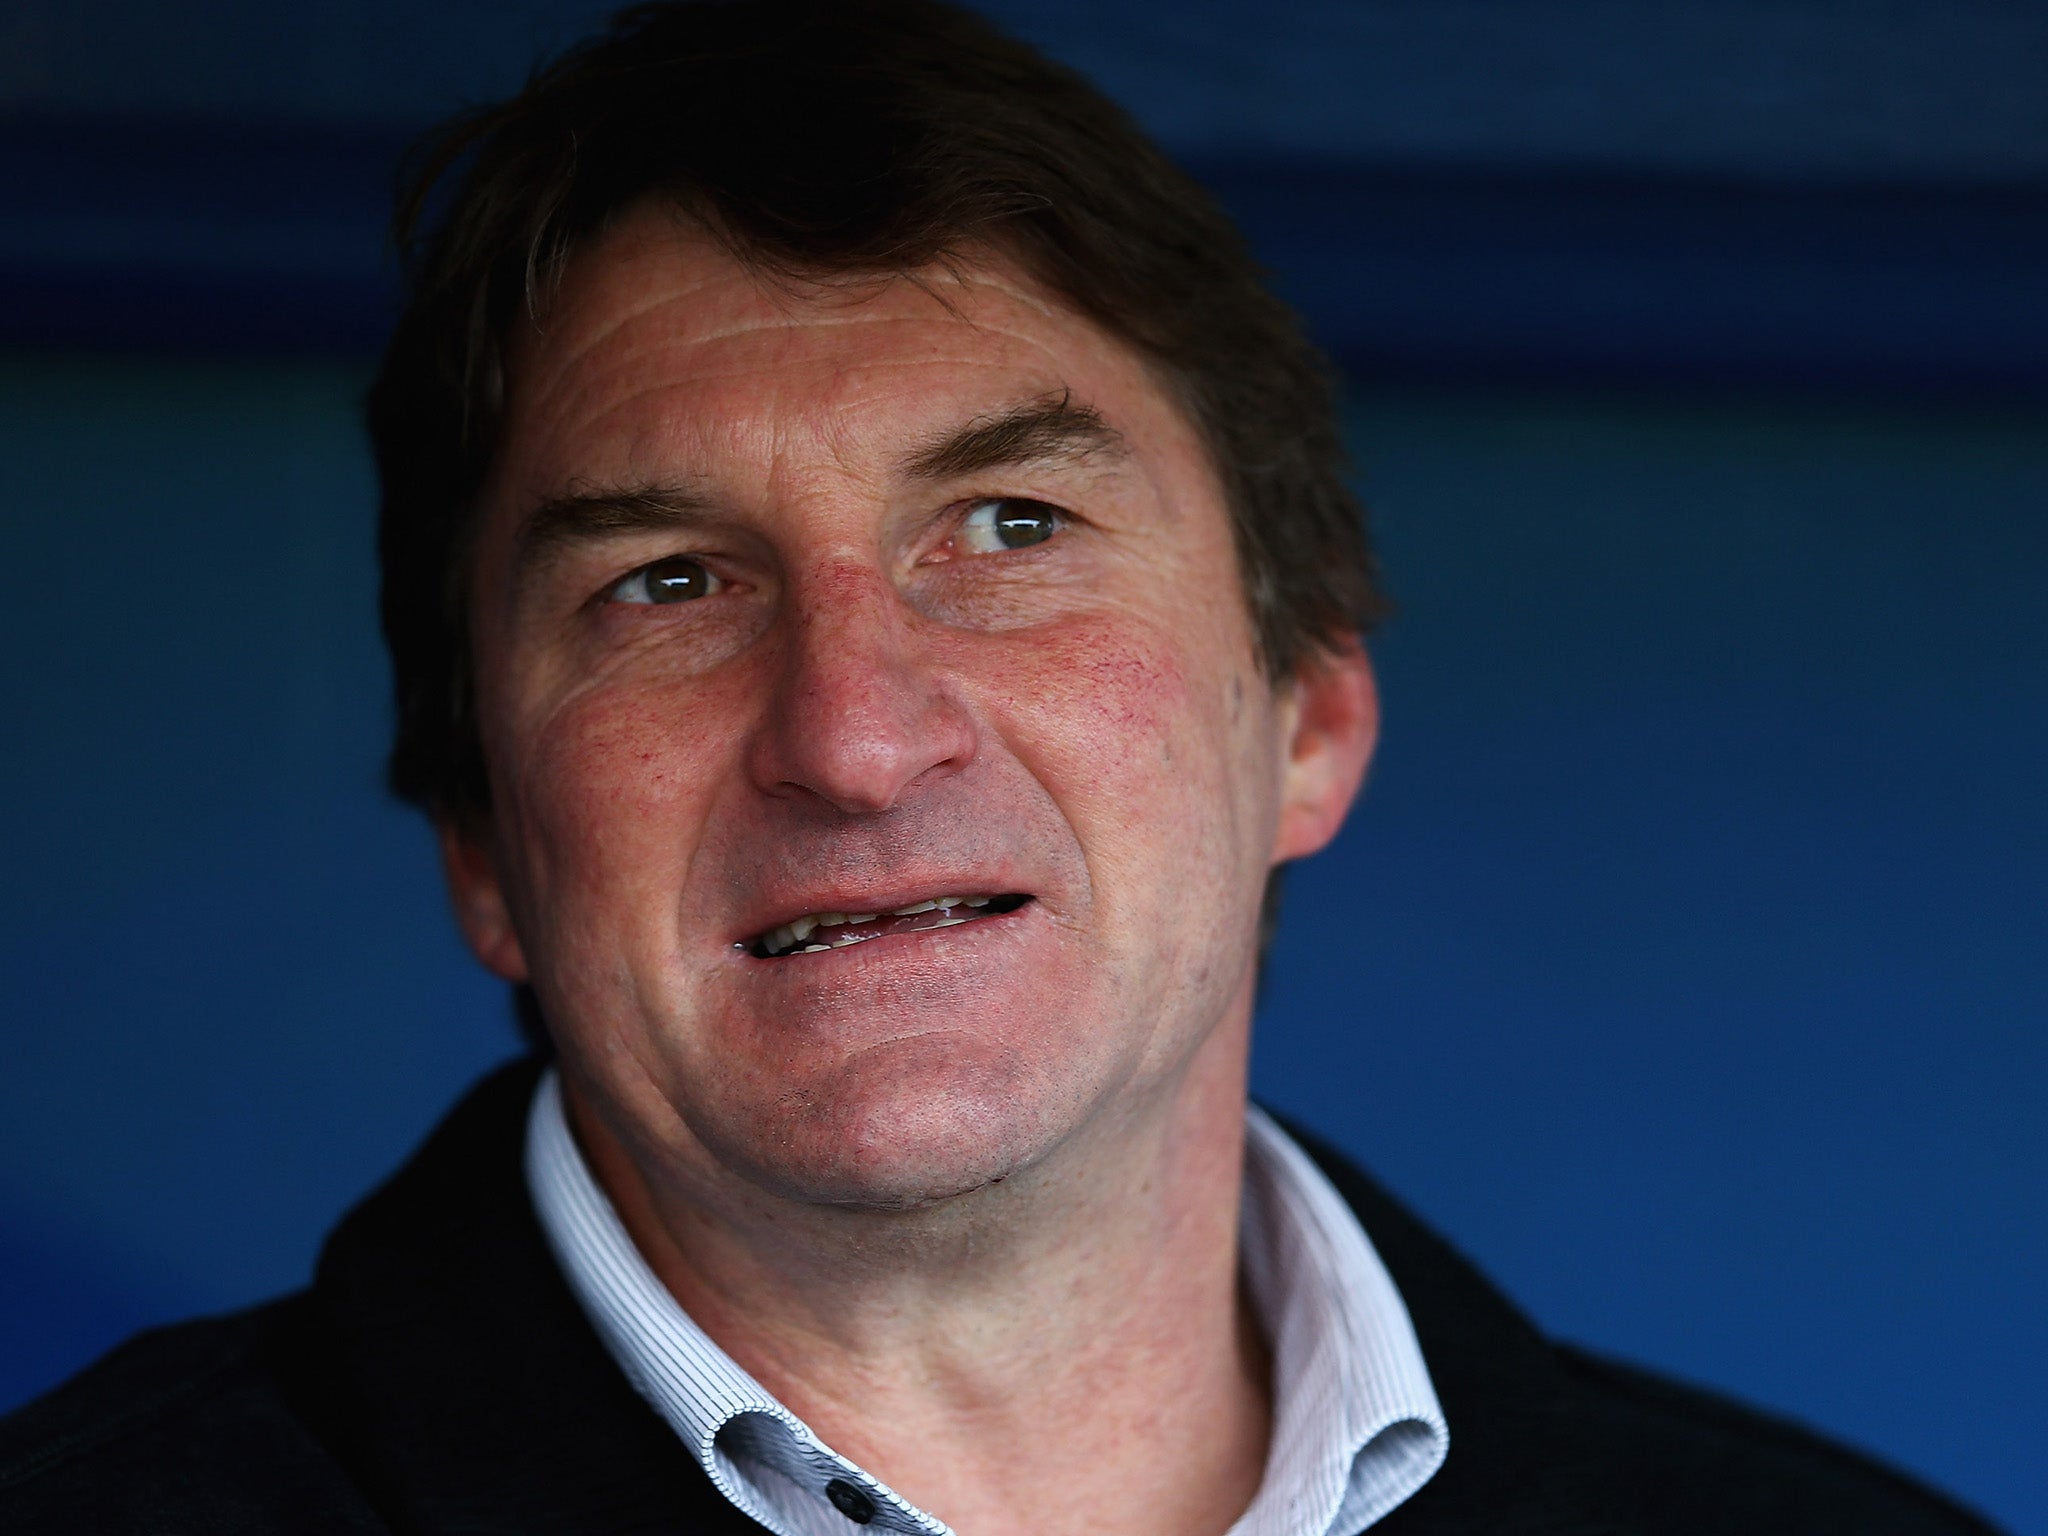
479,900
1335,723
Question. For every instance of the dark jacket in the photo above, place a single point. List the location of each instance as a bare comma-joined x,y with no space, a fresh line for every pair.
439,1377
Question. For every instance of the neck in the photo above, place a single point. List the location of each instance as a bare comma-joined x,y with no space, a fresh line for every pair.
1076,1326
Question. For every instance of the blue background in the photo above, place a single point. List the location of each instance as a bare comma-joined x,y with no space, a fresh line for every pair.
1684,962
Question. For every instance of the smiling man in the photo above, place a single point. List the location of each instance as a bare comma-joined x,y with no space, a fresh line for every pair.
874,602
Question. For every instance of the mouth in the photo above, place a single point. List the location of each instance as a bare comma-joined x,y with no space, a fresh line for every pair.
816,932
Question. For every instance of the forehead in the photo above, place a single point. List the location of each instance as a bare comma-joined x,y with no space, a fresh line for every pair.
659,344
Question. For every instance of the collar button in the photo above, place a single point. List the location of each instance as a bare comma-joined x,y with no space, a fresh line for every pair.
850,1501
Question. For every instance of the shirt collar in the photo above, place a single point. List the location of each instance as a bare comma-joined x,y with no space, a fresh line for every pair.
1356,1425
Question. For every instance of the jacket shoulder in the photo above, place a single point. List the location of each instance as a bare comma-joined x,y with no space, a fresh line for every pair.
1546,1436
1691,1460
184,1428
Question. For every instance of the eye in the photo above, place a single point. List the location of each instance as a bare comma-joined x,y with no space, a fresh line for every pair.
677,579
1007,522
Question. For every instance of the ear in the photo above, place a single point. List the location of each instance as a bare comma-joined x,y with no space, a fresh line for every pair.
479,898
1332,719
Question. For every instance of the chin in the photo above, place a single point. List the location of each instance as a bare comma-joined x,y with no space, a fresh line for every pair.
902,1127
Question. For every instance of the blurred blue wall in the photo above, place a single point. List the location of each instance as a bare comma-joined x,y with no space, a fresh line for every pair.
1684,961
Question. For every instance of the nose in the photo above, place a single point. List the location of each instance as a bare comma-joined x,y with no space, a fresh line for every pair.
858,717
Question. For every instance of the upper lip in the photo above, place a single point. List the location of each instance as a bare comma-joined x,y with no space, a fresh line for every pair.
873,900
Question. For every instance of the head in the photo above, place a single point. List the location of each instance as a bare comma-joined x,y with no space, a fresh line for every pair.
831,463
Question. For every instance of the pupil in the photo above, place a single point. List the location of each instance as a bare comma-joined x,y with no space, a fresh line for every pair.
1029,525
675,581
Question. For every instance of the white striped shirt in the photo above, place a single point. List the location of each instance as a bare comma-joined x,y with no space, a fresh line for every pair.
1356,1425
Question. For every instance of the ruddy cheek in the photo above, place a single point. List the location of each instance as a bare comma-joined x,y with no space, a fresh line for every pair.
1103,691
1113,723
1129,728
621,779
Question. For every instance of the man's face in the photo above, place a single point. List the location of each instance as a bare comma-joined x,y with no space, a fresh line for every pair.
791,607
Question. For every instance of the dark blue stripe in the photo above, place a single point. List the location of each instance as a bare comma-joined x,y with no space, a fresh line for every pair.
229,237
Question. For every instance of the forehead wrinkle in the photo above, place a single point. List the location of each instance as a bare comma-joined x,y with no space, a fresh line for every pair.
585,375
960,351
850,413
791,313
690,262
865,401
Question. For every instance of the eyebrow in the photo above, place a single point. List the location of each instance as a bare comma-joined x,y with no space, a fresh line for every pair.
582,516
1048,431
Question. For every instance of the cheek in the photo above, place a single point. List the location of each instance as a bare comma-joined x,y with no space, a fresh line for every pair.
1133,733
608,787
1113,693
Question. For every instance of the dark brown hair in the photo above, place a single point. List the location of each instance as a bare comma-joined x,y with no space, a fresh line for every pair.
823,139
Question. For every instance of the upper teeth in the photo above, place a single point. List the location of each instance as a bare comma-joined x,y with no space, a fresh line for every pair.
797,930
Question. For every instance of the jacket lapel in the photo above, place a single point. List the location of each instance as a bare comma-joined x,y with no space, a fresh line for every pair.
459,1377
